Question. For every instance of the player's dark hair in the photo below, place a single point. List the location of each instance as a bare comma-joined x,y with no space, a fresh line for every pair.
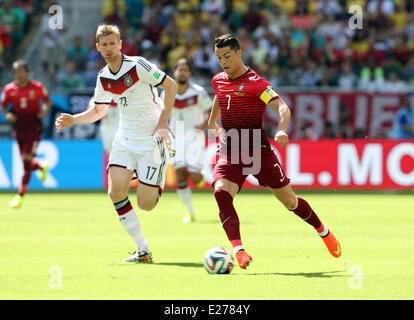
183,61
20,64
227,40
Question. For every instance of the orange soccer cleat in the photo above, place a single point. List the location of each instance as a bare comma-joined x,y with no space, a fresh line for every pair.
243,258
332,244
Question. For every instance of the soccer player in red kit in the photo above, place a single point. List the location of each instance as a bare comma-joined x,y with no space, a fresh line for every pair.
26,112
241,98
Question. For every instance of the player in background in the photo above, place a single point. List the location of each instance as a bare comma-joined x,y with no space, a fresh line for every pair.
241,98
139,144
26,113
189,118
109,125
403,126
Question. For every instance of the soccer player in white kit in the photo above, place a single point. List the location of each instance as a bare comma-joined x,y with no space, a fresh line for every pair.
109,125
189,118
139,144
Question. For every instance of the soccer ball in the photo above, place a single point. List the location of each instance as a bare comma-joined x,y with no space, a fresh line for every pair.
218,260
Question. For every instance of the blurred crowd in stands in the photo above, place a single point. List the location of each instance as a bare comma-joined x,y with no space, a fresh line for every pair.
293,43
304,43
15,21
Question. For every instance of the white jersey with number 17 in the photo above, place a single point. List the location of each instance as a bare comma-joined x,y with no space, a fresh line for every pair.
133,89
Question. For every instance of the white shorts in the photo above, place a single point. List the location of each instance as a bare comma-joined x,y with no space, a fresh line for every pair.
148,158
189,151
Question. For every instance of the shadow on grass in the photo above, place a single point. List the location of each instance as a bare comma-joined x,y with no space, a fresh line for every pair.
180,264
217,222
322,274
177,264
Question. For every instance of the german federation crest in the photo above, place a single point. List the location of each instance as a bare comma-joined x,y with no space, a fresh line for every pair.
128,80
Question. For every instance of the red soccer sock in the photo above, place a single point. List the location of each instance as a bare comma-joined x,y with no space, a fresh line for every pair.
236,243
22,190
305,212
36,165
27,165
320,229
228,216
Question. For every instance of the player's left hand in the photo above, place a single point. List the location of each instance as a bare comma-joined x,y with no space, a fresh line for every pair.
64,121
282,138
163,131
10,117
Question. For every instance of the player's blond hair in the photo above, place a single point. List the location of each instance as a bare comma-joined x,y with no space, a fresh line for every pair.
107,29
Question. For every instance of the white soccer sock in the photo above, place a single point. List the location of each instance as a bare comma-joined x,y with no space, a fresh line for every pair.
325,231
237,249
131,224
185,196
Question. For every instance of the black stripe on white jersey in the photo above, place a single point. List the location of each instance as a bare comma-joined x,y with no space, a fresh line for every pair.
145,65
152,92
163,159
162,80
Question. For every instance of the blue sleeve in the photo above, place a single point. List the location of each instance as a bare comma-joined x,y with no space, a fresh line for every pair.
402,119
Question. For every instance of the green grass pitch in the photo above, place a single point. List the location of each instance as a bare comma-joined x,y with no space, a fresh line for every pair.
71,246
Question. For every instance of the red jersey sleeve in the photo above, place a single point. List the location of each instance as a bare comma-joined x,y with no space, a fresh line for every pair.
43,92
5,98
213,84
264,91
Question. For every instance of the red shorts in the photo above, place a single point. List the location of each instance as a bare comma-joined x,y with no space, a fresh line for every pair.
28,143
270,173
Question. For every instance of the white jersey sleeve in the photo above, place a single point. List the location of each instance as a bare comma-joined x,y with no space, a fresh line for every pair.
149,72
101,96
205,101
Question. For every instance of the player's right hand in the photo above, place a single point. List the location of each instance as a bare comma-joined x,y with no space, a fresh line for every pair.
65,120
282,138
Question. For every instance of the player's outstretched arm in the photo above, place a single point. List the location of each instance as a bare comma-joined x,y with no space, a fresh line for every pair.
89,116
214,114
204,124
283,111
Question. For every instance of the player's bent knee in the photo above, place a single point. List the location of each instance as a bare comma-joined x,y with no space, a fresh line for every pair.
290,203
230,188
147,205
27,157
196,177
116,195
181,174
222,195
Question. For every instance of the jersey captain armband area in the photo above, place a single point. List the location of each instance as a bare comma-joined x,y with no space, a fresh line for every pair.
268,95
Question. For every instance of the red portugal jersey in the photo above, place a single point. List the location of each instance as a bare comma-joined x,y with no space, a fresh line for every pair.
242,104
26,104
